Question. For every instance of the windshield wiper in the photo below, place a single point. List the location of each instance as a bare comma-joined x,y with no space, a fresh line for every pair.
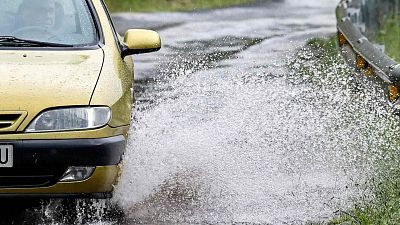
29,43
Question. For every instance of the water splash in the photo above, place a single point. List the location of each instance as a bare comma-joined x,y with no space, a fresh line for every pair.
233,145
64,212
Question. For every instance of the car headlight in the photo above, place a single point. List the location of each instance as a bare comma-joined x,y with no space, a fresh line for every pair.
65,119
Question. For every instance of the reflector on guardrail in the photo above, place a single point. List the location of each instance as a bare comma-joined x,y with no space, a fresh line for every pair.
362,54
393,92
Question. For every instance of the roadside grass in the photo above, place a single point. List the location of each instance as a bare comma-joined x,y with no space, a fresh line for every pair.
379,203
319,55
169,5
389,35
383,208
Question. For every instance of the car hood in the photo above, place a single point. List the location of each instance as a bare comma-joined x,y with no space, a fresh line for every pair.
32,81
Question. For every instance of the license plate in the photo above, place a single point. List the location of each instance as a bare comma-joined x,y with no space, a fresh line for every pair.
6,156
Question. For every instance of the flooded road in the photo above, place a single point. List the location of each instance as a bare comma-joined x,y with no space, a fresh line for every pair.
221,137
221,134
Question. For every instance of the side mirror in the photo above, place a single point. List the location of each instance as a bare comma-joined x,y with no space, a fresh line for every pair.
138,41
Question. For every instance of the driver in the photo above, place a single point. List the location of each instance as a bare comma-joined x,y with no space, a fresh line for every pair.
38,13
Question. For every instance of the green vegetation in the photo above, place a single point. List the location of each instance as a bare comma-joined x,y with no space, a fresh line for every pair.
390,37
383,207
169,5
329,45
317,57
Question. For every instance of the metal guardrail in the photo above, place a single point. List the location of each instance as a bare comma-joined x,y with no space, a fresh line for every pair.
366,57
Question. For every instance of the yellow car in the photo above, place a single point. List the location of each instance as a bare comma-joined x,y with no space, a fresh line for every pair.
66,96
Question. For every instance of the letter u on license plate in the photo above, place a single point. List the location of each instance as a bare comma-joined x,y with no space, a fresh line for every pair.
6,156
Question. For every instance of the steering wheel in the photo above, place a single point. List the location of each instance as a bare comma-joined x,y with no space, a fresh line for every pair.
39,31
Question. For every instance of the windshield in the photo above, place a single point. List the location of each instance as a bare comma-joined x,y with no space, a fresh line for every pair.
66,22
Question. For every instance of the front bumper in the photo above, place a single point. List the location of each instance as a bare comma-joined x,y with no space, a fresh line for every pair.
54,157
70,152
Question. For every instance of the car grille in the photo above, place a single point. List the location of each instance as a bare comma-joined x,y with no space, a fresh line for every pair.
9,120
30,177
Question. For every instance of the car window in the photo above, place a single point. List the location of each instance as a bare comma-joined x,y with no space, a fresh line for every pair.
115,33
56,21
